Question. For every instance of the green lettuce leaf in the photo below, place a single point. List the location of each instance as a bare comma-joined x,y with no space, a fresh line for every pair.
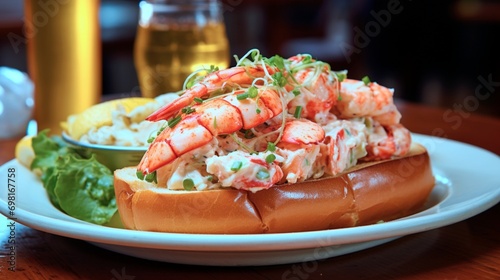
80,187
84,189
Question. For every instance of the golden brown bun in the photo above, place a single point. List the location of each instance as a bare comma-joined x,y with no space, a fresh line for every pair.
366,194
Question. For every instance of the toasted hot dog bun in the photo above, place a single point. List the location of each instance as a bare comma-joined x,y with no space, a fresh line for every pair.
367,193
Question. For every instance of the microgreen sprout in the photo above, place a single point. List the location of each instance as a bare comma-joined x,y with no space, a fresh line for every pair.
276,61
213,68
307,59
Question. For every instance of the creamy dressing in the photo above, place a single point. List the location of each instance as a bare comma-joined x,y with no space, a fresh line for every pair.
223,163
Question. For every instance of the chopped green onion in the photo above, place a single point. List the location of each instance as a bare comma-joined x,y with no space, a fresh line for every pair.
172,122
236,166
279,79
271,147
151,177
253,92
188,184
187,110
270,158
366,80
298,111
258,111
242,96
139,175
262,174
198,100
341,75
296,91
162,128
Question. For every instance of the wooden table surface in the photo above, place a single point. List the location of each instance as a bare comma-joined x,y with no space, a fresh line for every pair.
465,250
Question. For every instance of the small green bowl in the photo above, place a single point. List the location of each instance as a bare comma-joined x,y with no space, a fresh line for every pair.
114,157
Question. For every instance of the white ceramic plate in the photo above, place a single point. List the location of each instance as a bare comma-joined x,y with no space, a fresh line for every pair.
467,183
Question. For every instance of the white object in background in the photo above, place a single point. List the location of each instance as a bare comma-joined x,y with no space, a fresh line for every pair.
16,102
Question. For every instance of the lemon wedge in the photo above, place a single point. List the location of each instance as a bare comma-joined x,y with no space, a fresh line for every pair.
100,115
24,152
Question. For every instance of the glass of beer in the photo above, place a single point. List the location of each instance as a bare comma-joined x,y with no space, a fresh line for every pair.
176,38
64,58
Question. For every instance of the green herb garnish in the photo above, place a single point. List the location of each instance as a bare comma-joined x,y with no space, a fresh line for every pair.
279,79
252,92
262,174
242,96
277,61
270,158
296,91
236,166
341,76
213,68
188,110
366,80
188,184
298,111
151,177
173,121
271,147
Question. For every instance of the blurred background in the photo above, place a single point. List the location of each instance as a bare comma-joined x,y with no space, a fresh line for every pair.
440,53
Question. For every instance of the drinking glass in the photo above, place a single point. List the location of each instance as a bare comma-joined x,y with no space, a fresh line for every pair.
64,58
174,39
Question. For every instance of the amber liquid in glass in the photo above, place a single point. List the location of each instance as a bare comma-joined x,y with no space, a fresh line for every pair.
166,56
64,58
